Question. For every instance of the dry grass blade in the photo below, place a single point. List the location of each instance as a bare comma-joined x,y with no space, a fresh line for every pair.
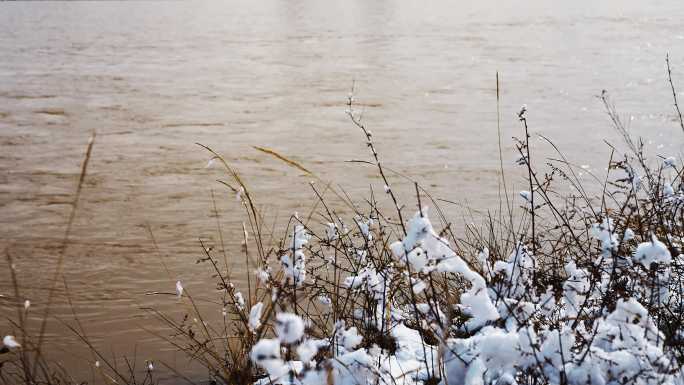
62,249
284,159
253,213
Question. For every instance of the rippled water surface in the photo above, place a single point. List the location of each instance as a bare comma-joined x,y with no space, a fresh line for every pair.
153,78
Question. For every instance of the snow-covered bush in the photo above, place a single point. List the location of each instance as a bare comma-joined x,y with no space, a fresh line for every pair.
588,290
582,290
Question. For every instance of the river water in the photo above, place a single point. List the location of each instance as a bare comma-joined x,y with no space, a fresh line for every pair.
154,78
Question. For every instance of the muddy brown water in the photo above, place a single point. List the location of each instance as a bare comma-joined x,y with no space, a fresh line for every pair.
153,78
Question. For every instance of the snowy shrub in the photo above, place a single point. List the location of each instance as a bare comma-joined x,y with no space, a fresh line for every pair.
587,291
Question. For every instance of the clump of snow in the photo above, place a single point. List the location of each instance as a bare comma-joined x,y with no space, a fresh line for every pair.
179,289
483,259
575,288
263,275
239,301
324,300
526,195
670,161
266,354
419,286
331,232
255,316
418,228
294,263
348,338
308,349
629,235
10,342
604,232
364,226
289,328
518,270
652,252
478,305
